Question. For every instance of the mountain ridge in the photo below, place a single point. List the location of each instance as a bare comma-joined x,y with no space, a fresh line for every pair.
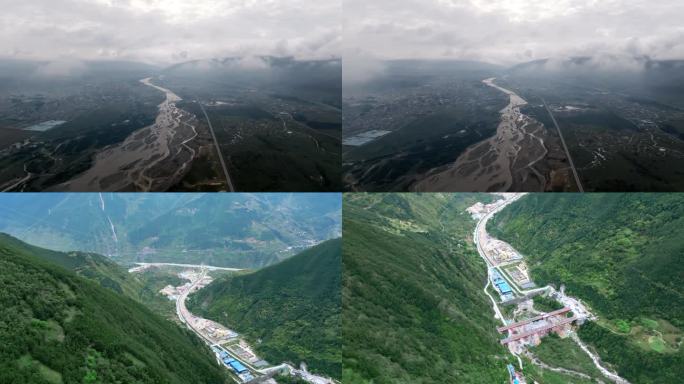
66,329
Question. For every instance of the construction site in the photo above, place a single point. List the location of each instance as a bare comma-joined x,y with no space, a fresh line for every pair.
244,352
499,252
529,332
520,275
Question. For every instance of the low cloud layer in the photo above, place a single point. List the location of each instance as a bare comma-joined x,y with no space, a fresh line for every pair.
513,31
168,31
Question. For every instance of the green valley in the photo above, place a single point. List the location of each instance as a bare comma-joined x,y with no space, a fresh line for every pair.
621,254
72,316
289,311
413,307
525,288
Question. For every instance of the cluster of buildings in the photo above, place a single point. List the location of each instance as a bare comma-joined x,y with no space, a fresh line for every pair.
174,292
215,331
478,210
234,365
245,352
501,285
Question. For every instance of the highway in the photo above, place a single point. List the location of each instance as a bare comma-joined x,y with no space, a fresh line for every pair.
218,149
479,234
567,152
187,318
182,311
208,267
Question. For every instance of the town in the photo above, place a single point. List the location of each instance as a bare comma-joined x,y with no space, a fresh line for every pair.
231,350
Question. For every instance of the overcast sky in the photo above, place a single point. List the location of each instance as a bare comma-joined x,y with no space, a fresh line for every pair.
511,31
167,31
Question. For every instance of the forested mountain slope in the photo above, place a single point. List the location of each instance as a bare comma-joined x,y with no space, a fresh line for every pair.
621,253
90,265
292,308
57,327
413,306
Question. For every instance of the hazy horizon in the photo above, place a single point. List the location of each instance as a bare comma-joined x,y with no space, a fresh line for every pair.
508,32
166,32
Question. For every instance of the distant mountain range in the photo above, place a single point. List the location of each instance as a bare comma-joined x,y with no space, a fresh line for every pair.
603,65
280,74
238,230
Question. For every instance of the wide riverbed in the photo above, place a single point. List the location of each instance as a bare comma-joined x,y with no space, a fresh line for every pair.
488,165
127,165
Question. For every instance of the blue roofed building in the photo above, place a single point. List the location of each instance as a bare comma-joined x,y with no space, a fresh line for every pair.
237,367
504,287
511,370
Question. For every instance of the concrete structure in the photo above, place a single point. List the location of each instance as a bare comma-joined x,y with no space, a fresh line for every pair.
530,331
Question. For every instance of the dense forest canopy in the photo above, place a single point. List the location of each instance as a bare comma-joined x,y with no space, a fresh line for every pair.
413,306
58,327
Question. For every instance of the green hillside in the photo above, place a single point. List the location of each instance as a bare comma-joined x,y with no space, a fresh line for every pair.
621,253
292,307
57,327
413,306
90,265
140,287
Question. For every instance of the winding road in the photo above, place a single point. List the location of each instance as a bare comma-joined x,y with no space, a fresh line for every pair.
187,318
479,236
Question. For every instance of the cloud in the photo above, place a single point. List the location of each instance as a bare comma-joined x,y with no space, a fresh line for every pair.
512,31
61,68
359,67
252,62
167,31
